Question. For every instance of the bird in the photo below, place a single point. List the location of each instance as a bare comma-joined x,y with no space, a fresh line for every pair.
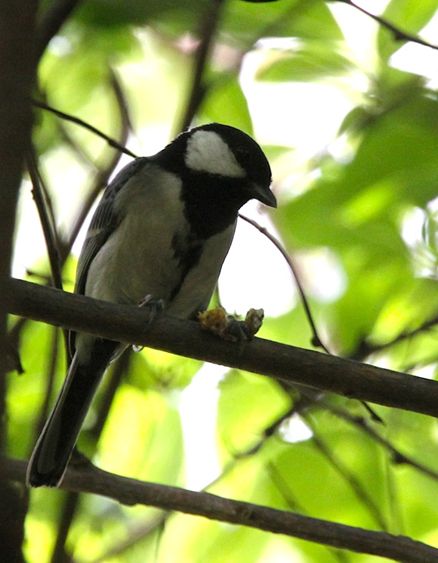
159,235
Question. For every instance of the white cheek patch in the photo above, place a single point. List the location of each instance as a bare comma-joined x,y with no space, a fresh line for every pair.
207,152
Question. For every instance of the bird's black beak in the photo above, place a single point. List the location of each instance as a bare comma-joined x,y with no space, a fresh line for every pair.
264,195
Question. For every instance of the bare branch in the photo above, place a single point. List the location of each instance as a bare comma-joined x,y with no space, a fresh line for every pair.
316,340
17,72
284,488
52,21
104,174
68,509
198,88
344,472
399,34
131,492
129,324
397,456
136,532
112,142
50,235
365,349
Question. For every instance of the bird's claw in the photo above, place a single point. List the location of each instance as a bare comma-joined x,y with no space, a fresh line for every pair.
155,307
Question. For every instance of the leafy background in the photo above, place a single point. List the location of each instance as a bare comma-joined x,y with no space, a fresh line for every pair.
358,214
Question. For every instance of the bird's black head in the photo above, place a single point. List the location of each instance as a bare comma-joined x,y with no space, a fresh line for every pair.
221,168
226,153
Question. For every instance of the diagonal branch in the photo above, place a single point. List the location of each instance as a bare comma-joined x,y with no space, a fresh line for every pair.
365,348
397,455
316,340
104,174
68,117
131,492
399,34
129,324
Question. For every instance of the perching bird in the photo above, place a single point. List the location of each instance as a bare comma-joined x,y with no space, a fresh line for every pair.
162,229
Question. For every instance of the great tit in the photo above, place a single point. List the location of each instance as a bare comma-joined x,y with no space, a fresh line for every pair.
163,229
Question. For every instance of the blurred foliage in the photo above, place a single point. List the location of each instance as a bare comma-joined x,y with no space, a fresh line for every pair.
366,196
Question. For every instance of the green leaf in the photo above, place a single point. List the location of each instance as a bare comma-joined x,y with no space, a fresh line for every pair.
312,61
247,404
409,16
177,16
226,103
247,22
142,437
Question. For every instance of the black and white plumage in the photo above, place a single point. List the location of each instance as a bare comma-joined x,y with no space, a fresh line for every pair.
163,228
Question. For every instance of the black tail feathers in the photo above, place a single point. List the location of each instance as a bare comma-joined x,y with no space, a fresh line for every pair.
55,444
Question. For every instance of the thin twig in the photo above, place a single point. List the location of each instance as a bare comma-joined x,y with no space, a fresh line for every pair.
365,349
338,466
79,152
398,457
399,34
47,222
104,174
355,485
112,142
45,212
198,88
137,532
316,340
69,509
284,489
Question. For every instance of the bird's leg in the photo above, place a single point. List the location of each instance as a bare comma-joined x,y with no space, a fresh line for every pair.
228,327
154,307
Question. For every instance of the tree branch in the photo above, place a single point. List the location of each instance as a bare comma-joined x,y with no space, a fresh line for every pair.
348,476
17,72
316,340
131,492
198,88
399,34
365,348
47,223
129,324
52,21
397,455
67,117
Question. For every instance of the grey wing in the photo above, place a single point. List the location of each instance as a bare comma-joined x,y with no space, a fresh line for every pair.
103,223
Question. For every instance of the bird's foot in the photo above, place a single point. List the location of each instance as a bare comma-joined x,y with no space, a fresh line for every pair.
230,328
154,307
